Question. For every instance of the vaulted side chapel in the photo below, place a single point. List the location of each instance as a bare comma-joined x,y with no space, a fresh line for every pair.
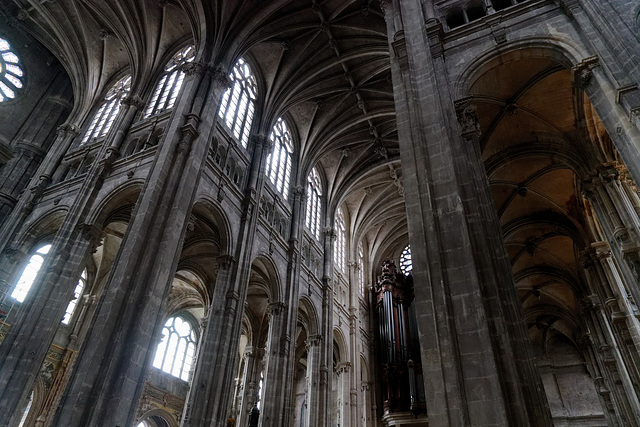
319,213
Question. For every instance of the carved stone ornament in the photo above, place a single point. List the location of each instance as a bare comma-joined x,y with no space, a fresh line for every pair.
68,129
134,101
220,78
582,72
467,117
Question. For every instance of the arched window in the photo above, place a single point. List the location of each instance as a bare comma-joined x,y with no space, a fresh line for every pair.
341,241
314,191
77,293
29,274
177,349
166,92
361,268
11,74
237,105
108,110
405,261
280,159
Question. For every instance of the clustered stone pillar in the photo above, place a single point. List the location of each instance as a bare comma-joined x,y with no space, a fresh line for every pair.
253,357
615,205
466,303
607,343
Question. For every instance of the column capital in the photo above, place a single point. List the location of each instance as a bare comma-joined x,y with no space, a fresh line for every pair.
276,308
467,117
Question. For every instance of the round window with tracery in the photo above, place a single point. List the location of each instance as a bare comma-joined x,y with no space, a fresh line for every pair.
11,73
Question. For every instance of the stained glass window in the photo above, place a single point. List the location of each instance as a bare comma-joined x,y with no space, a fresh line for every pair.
11,72
168,87
314,207
361,268
280,159
405,260
108,110
29,273
341,241
237,107
177,349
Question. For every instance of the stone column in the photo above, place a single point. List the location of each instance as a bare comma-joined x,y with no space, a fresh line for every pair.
208,401
131,310
313,380
616,387
65,135
470,323
32,143
274,387
617,216
249,396
344,394
24,349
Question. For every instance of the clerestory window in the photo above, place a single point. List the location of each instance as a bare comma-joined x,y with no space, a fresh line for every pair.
314,207
280,159
238,102
405,260
177,349
11,72
108,110
166,91
29,273
361,268
341,242
77,293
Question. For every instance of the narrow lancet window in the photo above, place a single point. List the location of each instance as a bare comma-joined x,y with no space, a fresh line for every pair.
29,274
238,102
77,293
314,207
361,268
280,159
166,91
108,110
341,242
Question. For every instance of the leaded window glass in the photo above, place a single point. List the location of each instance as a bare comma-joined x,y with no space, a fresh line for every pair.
314,207
405,260
77,293
168,87
177,349
29,274
238,102
361,268
11,72
280,159
108,110
341,242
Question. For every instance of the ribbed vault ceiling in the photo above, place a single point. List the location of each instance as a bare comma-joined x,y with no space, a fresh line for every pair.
323,65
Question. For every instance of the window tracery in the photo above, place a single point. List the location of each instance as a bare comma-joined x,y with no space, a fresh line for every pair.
341,240
108,110
237,106
280,159
167,89
177,349
77,293
29,274
11,72
314,191
405,261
